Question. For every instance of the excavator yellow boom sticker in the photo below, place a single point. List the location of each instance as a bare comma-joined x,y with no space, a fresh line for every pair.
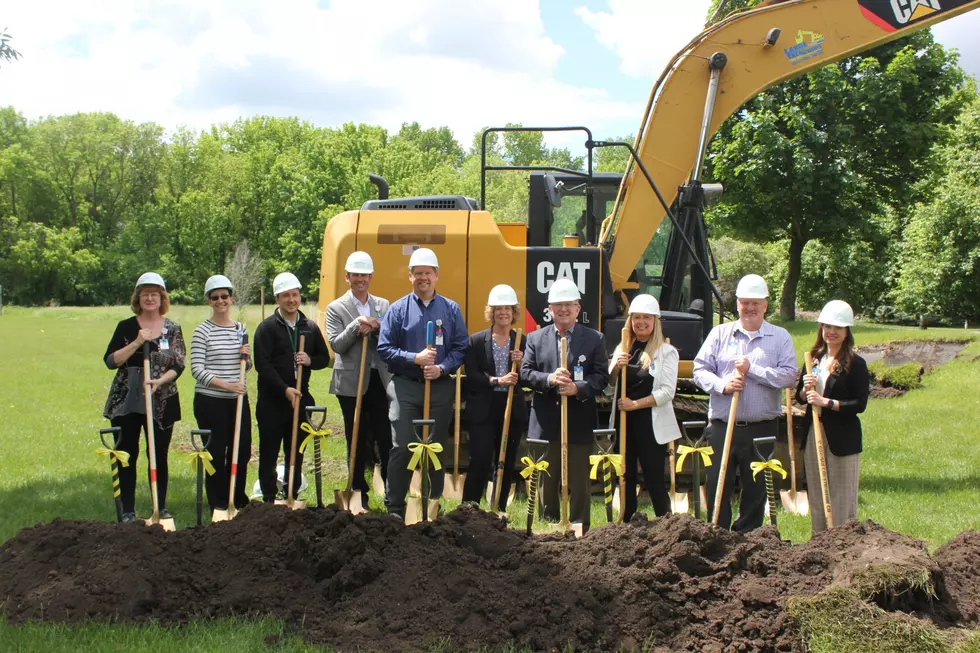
809,45
892,15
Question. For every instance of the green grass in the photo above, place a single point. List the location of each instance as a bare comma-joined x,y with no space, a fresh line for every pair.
918,471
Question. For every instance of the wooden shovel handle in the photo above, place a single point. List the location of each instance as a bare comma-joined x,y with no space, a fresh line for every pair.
828,511
357,414
792,442
457,425
564,442
725,453
502,459
236,439
150,437
295,431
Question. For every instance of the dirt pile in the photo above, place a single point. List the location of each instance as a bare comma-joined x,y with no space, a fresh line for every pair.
368,583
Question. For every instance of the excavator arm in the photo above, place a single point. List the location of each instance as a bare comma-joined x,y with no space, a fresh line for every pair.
726,65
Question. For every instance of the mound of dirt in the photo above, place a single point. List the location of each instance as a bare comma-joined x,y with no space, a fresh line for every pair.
368,583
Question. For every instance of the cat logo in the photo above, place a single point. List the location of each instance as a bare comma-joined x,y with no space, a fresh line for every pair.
893,15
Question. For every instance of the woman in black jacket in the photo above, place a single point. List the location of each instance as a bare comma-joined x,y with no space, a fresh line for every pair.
839,387
488,378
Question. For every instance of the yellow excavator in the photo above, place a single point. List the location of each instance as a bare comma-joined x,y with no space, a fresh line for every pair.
654,238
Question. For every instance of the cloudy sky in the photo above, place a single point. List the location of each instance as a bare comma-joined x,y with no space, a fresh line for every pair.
461,63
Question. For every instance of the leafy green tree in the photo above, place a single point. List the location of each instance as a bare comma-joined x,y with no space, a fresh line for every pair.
7,52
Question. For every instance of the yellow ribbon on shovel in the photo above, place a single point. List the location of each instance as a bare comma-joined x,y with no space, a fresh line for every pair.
773,464
313,433
530,467
419,449
205,457
121,456
684,451
614,459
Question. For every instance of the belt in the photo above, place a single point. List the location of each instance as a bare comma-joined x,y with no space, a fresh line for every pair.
444,377
741,424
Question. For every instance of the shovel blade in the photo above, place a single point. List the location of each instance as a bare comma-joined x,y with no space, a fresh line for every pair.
220,515
298,504
679,503
378,482
166,524
510,496
413,510
454,487
798,506
349,501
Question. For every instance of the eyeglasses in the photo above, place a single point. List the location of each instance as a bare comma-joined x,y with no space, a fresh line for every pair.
216,298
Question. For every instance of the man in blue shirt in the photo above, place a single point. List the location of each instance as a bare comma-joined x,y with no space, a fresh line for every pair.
402,346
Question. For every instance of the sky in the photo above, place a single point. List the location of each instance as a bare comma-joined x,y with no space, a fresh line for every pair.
464,64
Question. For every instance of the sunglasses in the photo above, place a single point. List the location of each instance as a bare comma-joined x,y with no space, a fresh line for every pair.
216,298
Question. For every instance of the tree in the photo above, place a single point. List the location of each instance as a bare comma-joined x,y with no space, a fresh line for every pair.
941,252
7,52
825,156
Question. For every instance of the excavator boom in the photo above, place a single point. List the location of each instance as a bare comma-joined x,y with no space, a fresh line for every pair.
759,48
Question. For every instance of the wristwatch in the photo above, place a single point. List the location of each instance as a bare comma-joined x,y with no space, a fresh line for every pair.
493,380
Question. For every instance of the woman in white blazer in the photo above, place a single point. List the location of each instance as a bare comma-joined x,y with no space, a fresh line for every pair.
651,378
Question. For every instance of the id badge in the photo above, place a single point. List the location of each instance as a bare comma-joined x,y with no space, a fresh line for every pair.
578,373
164,344
439,340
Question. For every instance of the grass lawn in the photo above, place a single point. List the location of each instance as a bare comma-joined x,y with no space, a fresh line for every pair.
919,470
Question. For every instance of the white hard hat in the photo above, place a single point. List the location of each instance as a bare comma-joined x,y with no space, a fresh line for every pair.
150,279
752,286
502,295
837,313
423,256
359,263
645,304
285,281
563,290
217,281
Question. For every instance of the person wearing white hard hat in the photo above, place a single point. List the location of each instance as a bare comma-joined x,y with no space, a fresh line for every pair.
839,386
351,319
489,357
402,346
582,381
126,405
278,359
217,348
651,379
756,359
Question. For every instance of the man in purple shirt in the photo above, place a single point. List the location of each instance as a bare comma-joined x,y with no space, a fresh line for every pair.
402,346
756,359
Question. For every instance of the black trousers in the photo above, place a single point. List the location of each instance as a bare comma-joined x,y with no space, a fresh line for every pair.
218,415
374,428
752,506
579,485
275,422
131,426
642,448
485,438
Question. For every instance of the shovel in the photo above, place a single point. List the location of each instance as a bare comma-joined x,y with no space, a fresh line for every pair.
767,461
625,344
794,502
605,439
168,523
565,525
419,508
115,457
678,500
725,454
317,435
821,453
200,439
696,488
532,471
345,498
291,500
231,511
454,489
504,436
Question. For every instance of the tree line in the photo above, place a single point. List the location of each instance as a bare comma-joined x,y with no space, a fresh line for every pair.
857,181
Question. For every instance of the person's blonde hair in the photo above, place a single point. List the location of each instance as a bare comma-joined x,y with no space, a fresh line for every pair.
134,301
515,309
653,343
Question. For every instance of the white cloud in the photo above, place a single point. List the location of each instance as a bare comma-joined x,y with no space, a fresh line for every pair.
461,63
645,34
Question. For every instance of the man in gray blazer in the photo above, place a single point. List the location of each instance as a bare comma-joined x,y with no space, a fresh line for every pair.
585,378
350,319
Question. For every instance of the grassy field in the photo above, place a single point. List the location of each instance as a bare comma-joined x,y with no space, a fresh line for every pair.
919,470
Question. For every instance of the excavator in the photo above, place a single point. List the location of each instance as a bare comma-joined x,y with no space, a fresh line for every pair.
652,237
618,235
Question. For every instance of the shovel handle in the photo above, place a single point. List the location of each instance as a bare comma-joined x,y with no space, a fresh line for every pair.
236,436
295,431
564,443
821,453
792,443
358,403
150,437
725,454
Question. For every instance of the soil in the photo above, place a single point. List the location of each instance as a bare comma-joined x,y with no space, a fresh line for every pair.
369,583
927,353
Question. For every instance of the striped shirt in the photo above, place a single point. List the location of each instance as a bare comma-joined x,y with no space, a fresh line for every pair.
216,353
772,367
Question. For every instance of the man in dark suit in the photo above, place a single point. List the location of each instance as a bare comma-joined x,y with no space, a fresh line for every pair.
585,377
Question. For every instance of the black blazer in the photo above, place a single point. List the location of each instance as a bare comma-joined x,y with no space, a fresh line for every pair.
479,369
541,358
842,428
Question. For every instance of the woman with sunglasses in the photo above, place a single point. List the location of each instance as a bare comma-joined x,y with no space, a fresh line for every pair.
217,347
